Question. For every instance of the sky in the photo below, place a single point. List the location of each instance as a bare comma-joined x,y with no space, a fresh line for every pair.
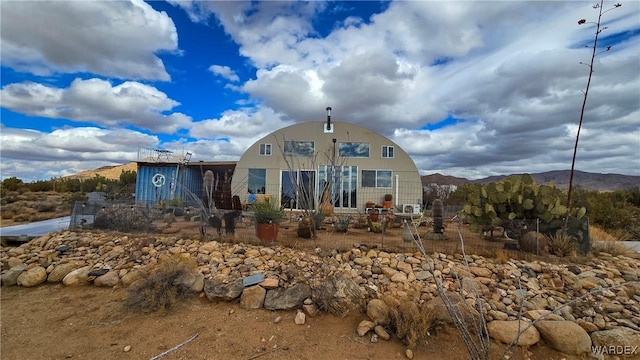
467,88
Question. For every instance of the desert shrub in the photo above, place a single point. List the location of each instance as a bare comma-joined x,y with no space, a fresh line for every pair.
122,218
7,214
162,288
12,183
10,197
37,217
561,244
21,218
71,199
410,322
45,206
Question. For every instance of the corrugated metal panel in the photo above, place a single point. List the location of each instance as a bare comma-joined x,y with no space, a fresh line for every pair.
191,180
176,184
146,191
185,184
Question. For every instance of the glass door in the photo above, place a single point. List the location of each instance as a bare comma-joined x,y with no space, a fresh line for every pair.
289,179
298,189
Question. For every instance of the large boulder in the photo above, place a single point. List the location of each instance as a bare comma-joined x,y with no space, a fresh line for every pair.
193,280
467,314
10,277
253,297
132,276
220,290
110,279
507,331
340,295
60,271
618,337
287,299
77,277
565,336
32,277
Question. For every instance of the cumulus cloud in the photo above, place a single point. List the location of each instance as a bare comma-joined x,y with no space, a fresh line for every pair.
31,154
96,100
111,38
246,124
224,72
508,71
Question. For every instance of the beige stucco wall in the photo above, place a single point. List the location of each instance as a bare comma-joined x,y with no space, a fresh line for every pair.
406,182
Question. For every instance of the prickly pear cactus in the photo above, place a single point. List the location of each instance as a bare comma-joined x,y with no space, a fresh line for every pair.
515,198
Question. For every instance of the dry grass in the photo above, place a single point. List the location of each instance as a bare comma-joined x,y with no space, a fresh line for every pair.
609,243
410,322
162,288
501,256
534,243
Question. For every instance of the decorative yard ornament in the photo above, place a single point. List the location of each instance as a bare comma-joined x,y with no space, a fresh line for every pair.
209,184
158,180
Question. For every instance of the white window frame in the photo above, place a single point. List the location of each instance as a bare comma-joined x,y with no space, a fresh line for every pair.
385,152
265,149
377,186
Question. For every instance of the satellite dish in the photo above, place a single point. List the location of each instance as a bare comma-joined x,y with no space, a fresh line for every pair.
158,180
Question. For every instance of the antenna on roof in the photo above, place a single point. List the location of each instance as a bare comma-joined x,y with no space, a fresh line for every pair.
328,129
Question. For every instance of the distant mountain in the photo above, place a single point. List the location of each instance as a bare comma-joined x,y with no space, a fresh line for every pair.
581,179
443,180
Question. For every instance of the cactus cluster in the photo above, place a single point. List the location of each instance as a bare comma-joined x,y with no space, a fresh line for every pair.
515,198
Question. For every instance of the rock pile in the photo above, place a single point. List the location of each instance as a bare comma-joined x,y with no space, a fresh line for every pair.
575,308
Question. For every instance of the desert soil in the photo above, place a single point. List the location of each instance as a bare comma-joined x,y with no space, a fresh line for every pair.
59,322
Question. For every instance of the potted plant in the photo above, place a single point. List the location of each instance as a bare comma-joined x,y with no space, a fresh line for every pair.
267,216
388,201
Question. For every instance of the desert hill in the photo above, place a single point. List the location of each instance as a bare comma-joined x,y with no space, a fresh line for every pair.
109,172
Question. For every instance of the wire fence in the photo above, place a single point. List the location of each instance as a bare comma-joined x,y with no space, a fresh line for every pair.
391,232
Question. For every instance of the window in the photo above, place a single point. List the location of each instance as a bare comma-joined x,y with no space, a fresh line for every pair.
340,183
265,149
299,148
353,149
376,178
257,180
387,151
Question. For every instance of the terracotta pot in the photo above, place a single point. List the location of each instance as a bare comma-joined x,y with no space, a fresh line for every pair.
267,232
374,216
387,204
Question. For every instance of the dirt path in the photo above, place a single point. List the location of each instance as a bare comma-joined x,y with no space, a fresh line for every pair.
58,322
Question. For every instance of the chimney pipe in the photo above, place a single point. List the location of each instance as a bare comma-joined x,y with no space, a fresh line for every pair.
328,118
